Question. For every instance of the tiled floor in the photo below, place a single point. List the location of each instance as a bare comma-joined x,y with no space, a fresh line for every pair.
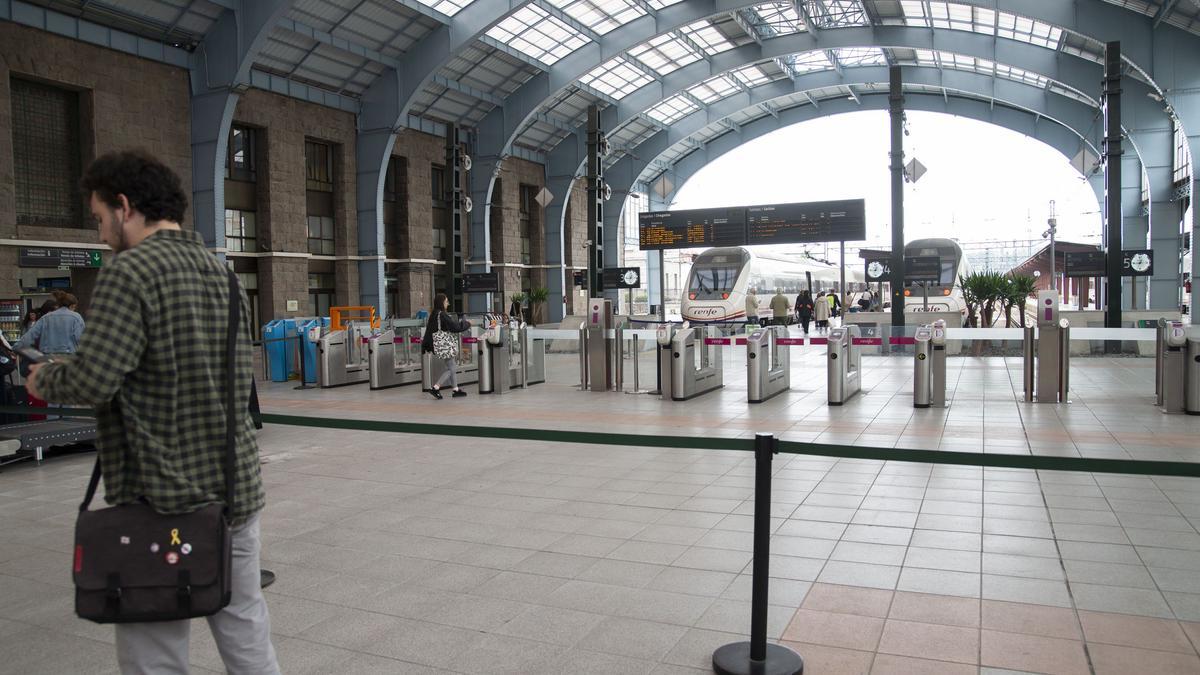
420,554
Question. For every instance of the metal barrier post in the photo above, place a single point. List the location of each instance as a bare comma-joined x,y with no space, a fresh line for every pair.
583,357
1027,363
756,656
303,377
1160,332
1064,360
619,358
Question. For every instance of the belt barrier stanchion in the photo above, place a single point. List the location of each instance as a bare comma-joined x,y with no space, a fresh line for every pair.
937,381
619,358
922,367
1160,332
756,657
1064,364
1027,363
303,375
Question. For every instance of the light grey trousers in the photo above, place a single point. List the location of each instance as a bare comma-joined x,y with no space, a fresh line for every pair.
449,375
242,630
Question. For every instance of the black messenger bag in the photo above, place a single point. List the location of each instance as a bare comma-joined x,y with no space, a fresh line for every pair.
133,564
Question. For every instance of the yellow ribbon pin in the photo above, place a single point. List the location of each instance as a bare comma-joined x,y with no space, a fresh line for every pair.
175,538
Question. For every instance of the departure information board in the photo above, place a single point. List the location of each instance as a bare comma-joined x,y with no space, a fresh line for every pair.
1086,264
810,222
692,228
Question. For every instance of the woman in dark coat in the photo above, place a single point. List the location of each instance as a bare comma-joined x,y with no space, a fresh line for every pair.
440,319
804,309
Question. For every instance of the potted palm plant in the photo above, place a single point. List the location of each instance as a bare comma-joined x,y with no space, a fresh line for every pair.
537,300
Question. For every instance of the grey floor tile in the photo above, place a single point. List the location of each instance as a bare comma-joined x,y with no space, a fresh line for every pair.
885,518
1100,598
1169,557
634,638
878,554
943,559
1185,605
1111,553
1017,589
648,552
941,582
714,559
1180,581
859,574
795,527
692,581
551,624
931,521
1108,574
791,567
876,534
959,541
588,662
781,592
1032,546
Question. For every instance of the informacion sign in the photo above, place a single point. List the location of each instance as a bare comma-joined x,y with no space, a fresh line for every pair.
481,282
1138,262
1086,264
691,228
58,257
622,277
922,269
878,271
810,222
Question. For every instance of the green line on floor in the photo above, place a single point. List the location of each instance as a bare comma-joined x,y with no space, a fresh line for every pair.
988,459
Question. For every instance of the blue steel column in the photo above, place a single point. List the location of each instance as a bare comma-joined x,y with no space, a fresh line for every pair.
373,147
896,113
1111,105
219,70
562,166
1134,227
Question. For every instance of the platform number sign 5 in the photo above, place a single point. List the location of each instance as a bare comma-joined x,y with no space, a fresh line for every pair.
1137,263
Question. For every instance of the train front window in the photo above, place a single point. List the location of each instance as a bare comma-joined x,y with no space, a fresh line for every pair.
949,264
712,282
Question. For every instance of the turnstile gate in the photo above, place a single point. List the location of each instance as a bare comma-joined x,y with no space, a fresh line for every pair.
844,365
1047,378
509,358
342,356
395,355
1179,369
692,366
929,366
768,363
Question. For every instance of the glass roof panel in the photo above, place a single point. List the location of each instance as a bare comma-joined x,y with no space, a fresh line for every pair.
715,89
672,109
601,15
447,7
836,13
808,62
665,53
707,36
860,57
659,4
957,16
617,78
779,18
532,31
750,76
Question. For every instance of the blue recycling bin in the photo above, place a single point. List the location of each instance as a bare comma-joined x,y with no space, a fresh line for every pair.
309,348
278,352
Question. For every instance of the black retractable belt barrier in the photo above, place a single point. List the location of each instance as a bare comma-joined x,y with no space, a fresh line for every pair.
757,657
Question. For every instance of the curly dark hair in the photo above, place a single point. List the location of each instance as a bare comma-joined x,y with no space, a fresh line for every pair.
150,186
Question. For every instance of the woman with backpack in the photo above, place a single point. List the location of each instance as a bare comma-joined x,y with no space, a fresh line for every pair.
440,340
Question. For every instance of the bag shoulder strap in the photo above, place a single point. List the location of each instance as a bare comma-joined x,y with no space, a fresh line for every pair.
235,307
235,310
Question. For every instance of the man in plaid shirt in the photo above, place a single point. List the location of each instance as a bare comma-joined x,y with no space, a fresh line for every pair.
153,363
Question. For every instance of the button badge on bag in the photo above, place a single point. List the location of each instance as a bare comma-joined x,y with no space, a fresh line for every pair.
154,547
185,549
124,540
172,558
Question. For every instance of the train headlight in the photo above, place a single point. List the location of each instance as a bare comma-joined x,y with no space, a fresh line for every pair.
945,291
691,296
724,296
907,292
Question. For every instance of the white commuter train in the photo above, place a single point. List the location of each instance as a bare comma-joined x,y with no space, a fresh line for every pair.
720,278
946,295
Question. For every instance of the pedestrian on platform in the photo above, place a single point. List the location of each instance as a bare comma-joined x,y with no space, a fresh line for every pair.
150,366
441,342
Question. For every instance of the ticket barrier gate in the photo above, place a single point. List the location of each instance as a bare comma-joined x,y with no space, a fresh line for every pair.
768,363
597,364
1047,378
693,365
844,365
1179,368
466,364
395,355
510,358
929,366
342,356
